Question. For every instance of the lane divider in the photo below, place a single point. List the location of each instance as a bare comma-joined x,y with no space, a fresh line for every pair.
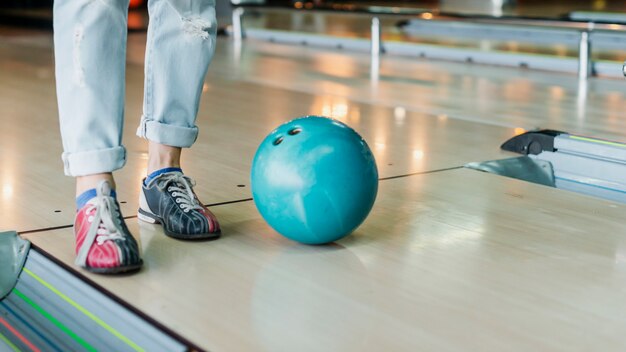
19,336
9,343
54,321
87,313
31,327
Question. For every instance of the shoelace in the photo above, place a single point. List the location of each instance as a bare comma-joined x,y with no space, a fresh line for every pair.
180,187
104,226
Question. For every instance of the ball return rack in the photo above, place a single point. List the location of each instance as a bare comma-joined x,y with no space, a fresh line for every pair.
580,164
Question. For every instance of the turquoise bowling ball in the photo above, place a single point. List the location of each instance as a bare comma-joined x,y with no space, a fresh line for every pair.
314,180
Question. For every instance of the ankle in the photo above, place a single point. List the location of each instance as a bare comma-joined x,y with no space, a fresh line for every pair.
85,183
162,156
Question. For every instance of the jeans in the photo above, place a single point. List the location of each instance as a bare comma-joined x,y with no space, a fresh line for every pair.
90,59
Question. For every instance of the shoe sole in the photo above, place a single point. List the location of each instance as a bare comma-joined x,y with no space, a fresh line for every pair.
128,269
154,219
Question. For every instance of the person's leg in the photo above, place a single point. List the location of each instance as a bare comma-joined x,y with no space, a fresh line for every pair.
90,58
181,42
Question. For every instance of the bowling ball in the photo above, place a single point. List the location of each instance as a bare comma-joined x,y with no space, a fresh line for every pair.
314,180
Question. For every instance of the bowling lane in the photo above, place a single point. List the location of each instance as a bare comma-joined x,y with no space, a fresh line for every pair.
452,261
234,118
490,94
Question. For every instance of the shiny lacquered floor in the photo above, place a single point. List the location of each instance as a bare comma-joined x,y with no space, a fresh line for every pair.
449,260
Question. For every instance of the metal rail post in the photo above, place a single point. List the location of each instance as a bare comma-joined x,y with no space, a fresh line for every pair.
585,68
376,38
237,27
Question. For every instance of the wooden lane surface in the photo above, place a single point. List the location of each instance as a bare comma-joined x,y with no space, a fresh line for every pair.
234,117
495,95
452,261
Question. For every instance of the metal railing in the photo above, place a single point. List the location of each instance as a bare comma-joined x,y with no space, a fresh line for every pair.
585,64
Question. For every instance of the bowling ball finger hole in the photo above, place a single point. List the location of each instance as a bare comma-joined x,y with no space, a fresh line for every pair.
278,140
294,131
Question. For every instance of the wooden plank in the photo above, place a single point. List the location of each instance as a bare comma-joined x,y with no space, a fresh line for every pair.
452,261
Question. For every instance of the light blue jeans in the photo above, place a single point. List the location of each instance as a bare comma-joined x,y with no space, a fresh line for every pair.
90,54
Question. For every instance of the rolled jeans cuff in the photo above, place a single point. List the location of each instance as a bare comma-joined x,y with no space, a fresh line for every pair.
172,135
94,161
